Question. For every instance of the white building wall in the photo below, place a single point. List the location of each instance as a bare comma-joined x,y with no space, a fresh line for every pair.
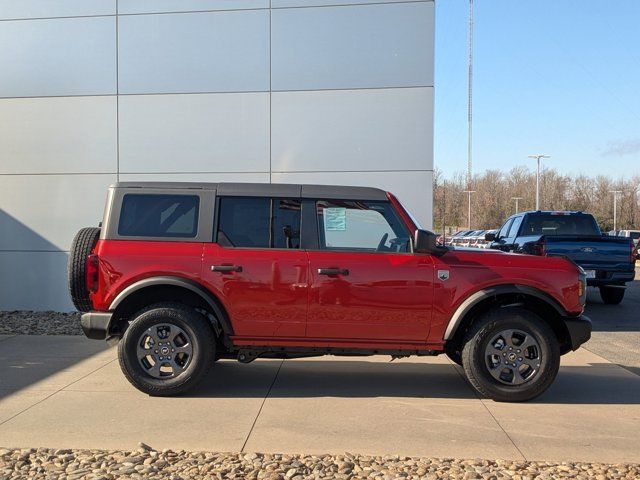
302,91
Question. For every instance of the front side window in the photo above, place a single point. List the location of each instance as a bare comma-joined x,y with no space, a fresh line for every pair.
504,231
148,215
361,226
259,222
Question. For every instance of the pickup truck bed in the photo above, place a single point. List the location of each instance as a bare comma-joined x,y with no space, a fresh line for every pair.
605,259
608,261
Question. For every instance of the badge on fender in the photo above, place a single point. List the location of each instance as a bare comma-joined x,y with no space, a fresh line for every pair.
443,275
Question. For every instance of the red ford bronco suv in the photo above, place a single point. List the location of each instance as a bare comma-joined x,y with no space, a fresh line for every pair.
185,274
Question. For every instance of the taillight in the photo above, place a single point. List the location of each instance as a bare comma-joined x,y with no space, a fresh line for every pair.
540,248
633,252
92,272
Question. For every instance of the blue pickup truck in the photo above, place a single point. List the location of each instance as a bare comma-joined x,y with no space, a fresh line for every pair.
609,262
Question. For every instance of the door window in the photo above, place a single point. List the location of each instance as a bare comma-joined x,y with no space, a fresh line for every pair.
515,226
505,229
259,222
361,226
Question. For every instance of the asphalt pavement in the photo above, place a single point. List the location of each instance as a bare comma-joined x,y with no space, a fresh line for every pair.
616,328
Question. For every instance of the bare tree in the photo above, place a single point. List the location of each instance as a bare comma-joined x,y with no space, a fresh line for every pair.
494,189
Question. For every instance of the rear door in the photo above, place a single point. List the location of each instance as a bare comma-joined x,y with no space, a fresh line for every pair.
365,282
257,267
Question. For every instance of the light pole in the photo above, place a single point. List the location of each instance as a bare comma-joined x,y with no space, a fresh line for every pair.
516,199
538,157
469,192
615,208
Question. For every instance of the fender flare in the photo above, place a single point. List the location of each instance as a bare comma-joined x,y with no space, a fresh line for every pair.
190,285
481,295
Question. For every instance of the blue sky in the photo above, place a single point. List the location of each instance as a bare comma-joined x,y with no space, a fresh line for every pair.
560,77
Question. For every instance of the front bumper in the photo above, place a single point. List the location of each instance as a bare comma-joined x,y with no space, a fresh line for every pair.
579,329
95,325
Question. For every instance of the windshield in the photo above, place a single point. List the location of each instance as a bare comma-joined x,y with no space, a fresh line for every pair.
548,224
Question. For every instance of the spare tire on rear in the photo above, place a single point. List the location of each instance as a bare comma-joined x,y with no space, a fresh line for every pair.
82,246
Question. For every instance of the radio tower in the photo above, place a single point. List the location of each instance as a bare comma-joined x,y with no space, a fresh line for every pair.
470,99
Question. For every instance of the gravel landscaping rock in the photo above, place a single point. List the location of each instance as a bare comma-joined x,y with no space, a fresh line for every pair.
39,323
146,462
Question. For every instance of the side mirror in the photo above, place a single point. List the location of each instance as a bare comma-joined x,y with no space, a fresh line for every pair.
489,237
427,242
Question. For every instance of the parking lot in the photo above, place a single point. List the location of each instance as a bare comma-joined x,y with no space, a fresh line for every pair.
68,392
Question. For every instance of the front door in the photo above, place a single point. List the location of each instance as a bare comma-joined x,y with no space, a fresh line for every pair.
257,268
365,282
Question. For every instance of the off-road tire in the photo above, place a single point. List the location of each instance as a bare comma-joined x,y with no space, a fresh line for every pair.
82,245
481,333
194,324
612,295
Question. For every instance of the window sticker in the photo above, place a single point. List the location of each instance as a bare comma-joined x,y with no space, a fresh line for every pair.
335,219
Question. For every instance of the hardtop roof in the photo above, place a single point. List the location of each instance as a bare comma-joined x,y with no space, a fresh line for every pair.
266,189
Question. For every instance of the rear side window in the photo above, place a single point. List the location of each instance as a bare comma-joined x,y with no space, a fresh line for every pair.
258,222
549,224
159,216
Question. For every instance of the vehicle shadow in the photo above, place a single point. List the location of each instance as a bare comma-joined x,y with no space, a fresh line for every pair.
601,383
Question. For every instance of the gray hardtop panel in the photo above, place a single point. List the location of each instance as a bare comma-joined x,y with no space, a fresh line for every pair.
337,192
258,190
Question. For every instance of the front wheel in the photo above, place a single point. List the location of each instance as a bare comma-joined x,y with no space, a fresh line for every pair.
167,349
612,295
511,355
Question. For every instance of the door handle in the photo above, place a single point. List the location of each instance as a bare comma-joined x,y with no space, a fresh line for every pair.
226,268
333,271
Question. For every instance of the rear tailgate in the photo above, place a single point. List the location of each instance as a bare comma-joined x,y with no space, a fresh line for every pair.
592,252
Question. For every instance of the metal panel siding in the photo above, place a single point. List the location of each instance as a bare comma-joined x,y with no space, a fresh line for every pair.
194,79
147,6
58,135
412,188
389,45
324,3
257,177
57,8
194,133
72,56
222,52
37,281
353,130
43,212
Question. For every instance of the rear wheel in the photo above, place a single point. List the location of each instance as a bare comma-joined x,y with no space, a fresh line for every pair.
612,295
81,248
167,349
511,355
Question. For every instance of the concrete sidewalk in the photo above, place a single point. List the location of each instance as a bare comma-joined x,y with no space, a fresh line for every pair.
68,392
